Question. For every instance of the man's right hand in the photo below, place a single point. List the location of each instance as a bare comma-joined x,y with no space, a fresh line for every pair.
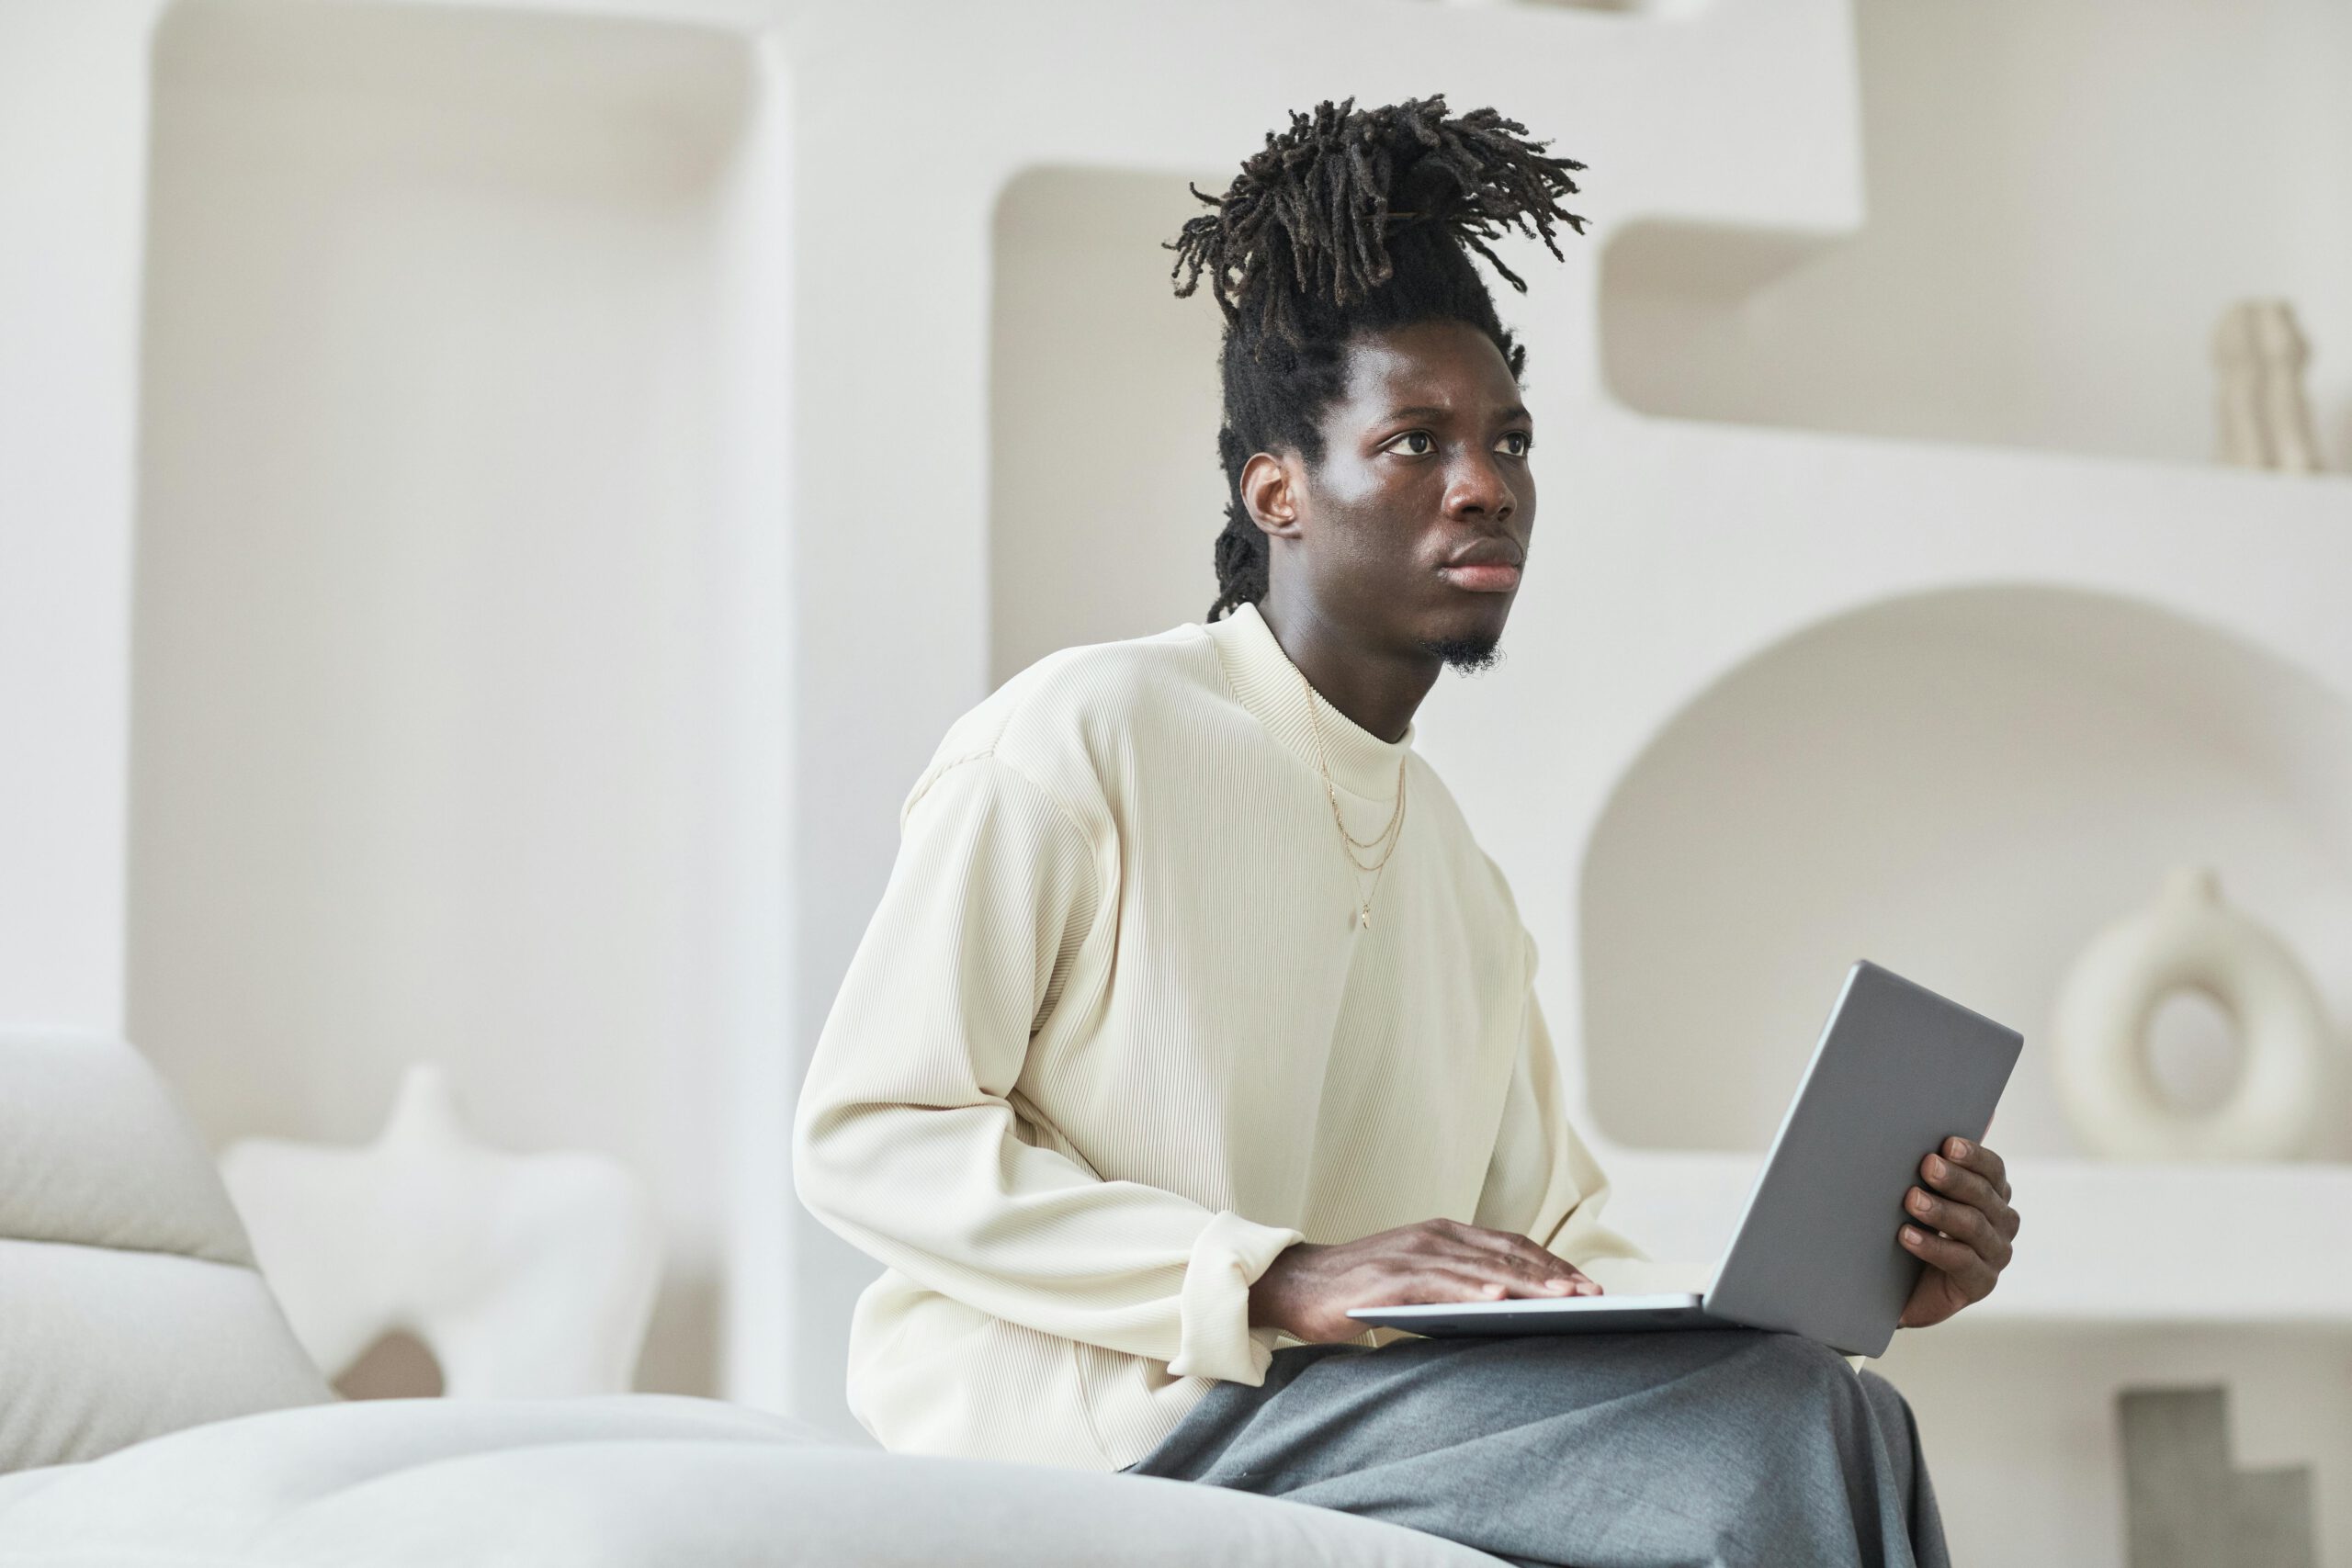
1308,1290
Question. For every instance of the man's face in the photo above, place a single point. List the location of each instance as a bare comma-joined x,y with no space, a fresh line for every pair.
1425,455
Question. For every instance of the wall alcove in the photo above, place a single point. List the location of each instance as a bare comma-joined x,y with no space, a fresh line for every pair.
450,545
1105,496
1997,291
1963,786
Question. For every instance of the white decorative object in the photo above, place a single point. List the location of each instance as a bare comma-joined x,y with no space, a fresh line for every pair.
2259,355
525,1274
2190,940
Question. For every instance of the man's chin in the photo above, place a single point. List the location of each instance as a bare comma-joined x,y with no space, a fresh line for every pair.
1470,653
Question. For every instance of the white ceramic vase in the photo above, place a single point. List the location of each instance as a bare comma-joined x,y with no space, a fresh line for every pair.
2189,938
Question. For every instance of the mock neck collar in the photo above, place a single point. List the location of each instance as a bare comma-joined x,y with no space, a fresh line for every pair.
1277,692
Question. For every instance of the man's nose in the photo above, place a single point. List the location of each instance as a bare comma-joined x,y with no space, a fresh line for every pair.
1476,488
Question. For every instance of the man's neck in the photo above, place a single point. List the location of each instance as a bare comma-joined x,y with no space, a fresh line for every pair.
1379,689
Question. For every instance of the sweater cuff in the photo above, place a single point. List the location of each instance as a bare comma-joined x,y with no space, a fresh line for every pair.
1212,1337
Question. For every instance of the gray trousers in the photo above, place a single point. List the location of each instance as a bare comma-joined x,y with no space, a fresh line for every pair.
1708,1449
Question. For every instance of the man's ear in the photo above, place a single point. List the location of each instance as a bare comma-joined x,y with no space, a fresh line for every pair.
1270,488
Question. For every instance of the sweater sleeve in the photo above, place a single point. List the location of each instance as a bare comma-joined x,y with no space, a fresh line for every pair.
906,1142
1543,1183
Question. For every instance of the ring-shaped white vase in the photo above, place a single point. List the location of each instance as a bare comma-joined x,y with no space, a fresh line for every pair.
2190,940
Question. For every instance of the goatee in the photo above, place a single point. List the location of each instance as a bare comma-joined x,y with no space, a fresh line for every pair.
1471,655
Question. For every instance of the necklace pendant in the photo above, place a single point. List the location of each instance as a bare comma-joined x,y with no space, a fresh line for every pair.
1364,916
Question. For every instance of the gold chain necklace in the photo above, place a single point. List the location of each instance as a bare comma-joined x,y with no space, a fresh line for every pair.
1394,832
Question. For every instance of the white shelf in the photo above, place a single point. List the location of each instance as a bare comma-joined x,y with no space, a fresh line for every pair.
2101,1243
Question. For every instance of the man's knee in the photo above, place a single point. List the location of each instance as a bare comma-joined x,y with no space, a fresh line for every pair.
1895,1422
1884,1397
1791,1371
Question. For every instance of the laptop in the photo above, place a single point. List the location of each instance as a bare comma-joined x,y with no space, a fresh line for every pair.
1897,1070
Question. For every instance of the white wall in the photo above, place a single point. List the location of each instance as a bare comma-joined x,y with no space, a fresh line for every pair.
2063,198
73,140
1103,416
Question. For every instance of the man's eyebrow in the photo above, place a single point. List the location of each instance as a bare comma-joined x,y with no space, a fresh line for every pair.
1431,410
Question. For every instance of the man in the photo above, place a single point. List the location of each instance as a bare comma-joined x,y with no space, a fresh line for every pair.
1194,1015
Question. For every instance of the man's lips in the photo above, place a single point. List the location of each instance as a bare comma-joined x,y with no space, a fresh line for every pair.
1482,576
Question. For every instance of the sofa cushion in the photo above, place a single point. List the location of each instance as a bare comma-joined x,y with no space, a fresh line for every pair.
638,1481
129,1304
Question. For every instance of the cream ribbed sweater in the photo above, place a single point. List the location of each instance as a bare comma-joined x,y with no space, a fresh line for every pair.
1114,1039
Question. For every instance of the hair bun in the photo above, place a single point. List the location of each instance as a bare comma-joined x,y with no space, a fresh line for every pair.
1312,214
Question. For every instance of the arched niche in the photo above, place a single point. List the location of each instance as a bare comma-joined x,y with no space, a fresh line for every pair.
454,595
1963,786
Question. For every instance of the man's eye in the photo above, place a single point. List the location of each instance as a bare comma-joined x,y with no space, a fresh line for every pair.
1404,444
1516,443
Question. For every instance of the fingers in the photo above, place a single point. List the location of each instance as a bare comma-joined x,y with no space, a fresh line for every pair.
1512,1262
1521,1275
1440,1283
1975,1157
1965,1187
1970,1273
1970,1207
1970,1226
1310,1288
1522,1252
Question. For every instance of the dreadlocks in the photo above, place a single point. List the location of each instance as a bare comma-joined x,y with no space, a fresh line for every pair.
1351,222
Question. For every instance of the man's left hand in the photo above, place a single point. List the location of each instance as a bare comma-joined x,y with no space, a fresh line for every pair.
1961,1225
